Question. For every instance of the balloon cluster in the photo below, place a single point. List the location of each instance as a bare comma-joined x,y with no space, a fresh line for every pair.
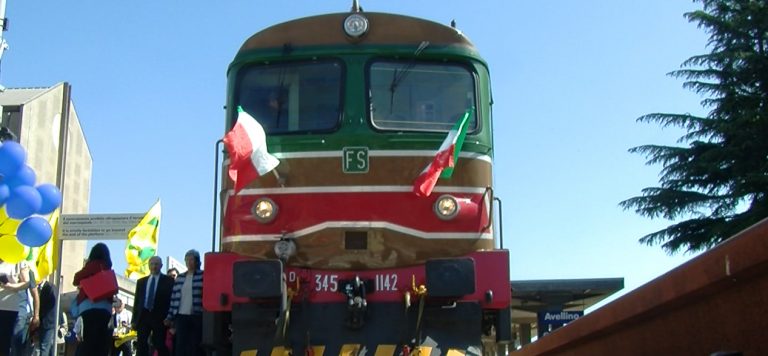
22,203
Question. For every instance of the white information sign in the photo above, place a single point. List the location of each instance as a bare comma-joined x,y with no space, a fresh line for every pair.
178,265
97,226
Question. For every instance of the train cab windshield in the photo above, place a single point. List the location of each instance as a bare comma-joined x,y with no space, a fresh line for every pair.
292,97
418,96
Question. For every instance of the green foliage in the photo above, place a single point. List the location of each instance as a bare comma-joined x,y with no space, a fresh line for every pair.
720,180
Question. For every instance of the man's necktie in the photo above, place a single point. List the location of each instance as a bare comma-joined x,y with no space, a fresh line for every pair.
151,296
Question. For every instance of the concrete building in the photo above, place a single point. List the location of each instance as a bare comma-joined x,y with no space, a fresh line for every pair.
34,116
126,289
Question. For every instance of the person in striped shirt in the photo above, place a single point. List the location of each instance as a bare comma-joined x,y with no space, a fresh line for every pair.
186,311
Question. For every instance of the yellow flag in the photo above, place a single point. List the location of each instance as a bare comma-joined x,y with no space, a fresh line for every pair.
142,243
47,254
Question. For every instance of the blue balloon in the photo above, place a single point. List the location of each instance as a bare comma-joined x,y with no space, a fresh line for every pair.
23,202
51,196
5,192
12,157
34,231
24,176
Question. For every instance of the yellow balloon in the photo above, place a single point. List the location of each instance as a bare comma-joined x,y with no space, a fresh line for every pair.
8,225
11,250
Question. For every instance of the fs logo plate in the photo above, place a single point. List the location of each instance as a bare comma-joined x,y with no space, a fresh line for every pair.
355,160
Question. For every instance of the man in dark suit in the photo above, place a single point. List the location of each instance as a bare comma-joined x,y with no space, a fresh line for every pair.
152,299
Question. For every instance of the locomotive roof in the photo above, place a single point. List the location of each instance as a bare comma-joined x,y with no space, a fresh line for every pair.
385,29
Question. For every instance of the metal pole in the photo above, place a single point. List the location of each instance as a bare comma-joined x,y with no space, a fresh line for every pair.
501,225
2,17
215,194
60,165
3,28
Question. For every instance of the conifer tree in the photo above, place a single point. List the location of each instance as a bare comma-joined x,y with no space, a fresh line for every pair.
719,182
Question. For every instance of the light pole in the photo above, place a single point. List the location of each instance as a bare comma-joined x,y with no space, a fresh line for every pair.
60,173
4,27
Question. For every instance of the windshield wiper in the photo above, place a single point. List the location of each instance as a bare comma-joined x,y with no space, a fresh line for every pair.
397,77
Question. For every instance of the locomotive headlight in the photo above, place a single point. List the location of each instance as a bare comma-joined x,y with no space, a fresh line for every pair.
264,210
355,25
446,207
284,249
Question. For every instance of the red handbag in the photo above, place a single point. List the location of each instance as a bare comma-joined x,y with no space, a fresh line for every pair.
101,285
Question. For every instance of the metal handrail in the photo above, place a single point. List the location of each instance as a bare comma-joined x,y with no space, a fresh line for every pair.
501,224
215,193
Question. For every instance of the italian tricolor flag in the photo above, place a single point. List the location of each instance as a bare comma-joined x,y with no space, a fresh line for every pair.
446,157
246,144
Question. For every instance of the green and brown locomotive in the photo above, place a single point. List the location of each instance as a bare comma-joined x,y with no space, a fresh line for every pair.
332,252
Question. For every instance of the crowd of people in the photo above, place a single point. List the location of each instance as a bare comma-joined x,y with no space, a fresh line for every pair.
26,312
166,320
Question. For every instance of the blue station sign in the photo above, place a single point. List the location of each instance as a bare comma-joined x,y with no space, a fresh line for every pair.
558,317
553,319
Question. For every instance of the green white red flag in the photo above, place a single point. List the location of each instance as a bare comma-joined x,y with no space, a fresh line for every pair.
445,158
246,144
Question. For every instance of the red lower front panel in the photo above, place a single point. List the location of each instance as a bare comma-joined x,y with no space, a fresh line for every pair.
389,285
301,211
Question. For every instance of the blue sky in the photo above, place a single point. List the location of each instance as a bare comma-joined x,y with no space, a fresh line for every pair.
569,80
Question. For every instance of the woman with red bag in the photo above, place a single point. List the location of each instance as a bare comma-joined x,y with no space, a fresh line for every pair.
97,337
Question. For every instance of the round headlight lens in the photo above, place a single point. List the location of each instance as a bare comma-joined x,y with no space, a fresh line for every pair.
355,25
264,210
446,207
285,249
